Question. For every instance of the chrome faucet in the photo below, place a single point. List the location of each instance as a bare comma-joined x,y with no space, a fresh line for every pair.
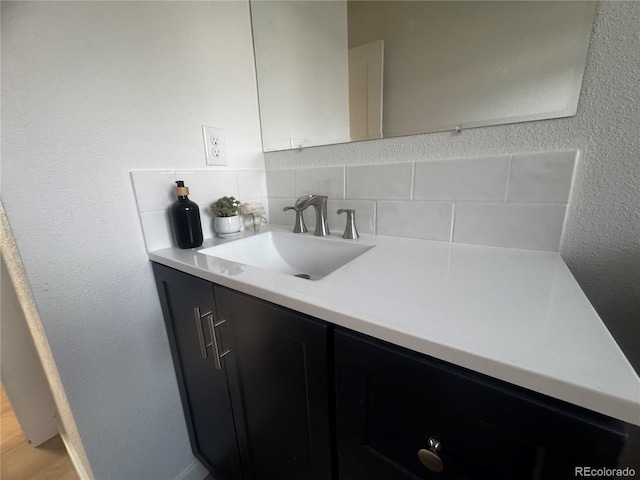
319,202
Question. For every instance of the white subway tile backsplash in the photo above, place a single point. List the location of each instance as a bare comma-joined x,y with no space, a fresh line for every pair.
380,182
320,181
541,177
536,227
156,227
280,183
365,215
508,200
251,184
154,190
514,201
206,220
271,206
476,179
155,193
426,220
206,187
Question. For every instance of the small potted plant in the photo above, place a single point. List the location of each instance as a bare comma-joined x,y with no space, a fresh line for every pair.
226,221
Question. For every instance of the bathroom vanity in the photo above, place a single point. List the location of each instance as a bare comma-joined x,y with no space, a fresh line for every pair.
416,359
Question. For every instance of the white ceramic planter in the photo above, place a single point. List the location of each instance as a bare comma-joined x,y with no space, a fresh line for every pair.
225,226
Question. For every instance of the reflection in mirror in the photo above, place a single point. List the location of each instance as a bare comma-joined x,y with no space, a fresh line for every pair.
337,71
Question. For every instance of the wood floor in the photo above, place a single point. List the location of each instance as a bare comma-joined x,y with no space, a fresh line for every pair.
20,461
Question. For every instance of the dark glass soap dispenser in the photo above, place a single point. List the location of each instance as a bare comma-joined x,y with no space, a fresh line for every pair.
185,218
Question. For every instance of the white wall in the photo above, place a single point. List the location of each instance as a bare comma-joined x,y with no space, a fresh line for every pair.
603,226
302,43
91,91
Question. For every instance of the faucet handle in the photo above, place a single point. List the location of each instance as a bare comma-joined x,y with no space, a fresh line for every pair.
350,231
299,227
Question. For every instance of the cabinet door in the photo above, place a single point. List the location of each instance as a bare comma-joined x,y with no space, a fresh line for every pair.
187,304
391,401
278,372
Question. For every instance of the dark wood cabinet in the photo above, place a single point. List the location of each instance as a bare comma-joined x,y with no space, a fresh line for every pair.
273,394
188,305
279,371
391,401
254,380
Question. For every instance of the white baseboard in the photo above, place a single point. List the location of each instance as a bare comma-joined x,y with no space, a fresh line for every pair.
73,455
195,471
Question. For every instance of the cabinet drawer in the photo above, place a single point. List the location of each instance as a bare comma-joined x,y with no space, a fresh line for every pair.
391,401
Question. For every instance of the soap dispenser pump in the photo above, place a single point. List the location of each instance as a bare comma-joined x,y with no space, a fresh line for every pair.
185,218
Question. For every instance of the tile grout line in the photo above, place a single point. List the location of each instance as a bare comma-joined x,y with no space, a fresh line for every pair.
502,204
294,174
235,177
412,192
453,221
506,188
344,182
375,217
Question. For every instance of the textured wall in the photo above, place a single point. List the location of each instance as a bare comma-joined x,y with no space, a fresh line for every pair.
91,91
601,241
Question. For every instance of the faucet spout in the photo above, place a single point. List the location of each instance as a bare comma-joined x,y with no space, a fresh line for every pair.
319,202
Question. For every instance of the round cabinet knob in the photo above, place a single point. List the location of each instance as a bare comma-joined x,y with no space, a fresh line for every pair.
430,458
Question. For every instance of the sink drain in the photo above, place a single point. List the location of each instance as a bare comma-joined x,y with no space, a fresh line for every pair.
303,275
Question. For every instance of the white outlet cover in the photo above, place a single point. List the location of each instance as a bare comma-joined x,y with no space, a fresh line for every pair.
214,145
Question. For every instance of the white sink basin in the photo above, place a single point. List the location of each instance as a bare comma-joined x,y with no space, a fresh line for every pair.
292,254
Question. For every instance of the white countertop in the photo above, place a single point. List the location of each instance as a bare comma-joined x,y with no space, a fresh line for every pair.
516,315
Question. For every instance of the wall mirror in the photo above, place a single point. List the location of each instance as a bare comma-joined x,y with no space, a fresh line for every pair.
341,71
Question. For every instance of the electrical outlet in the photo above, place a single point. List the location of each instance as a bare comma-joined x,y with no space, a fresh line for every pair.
214,146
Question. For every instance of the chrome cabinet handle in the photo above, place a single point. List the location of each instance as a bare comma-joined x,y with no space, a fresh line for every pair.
430,458
217,356
212,333
203,348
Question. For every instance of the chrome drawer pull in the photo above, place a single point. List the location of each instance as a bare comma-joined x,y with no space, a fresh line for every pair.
212,333
203,347
214,342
